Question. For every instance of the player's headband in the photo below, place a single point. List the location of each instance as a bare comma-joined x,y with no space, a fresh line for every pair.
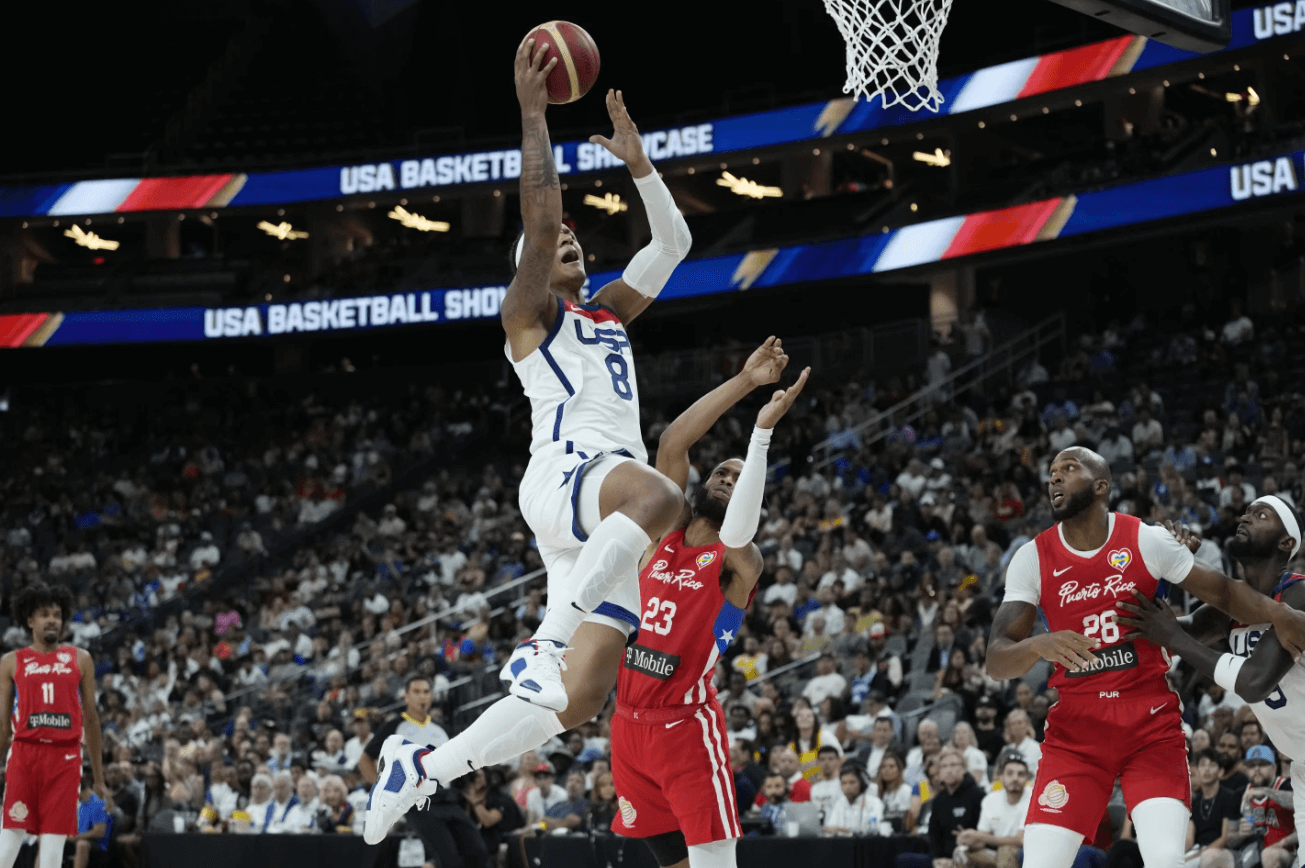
521,246
1289,523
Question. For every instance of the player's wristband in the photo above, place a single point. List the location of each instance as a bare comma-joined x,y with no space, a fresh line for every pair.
1225,671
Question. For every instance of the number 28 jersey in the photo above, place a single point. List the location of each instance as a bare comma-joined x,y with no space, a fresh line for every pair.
685,626
47,696
1079,591
581,385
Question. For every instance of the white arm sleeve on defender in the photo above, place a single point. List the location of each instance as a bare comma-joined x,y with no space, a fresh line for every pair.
744,512
1024,576
651,267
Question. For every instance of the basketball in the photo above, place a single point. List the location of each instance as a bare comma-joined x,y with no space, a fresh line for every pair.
577,65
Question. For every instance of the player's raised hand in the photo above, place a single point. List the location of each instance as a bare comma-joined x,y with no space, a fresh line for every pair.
766,363
1183,534
1152,618
531,74
625,143
781,401
1069,649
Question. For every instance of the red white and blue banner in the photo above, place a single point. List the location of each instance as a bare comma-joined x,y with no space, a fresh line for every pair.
1202,191
984,88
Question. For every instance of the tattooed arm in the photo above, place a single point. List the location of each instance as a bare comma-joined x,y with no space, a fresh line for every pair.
528,310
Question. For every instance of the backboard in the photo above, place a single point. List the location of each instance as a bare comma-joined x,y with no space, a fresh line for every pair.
1195,25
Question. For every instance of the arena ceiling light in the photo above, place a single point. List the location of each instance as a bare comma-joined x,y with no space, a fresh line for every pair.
939,157
89,240
744,187
416,221
609,202
282,230
1252,98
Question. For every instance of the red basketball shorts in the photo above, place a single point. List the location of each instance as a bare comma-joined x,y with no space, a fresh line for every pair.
1092,740
42,786
674,774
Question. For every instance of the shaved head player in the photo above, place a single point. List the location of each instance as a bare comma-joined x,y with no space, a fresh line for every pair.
1117,717
588,493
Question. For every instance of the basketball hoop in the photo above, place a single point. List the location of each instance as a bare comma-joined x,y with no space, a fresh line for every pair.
892,49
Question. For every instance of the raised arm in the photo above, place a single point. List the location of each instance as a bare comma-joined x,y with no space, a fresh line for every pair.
1248,606
528,308
646,275
1254,679
763,367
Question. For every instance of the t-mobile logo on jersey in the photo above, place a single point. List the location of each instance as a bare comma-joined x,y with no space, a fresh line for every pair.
51,719
1115,586
651,662
1121,656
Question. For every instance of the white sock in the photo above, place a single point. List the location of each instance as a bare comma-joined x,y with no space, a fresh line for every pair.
50,852
1051,846
1161,829
11,841
505,730
611,556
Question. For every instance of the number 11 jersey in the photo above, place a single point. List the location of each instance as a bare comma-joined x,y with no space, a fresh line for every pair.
584,397
47,696
1079,591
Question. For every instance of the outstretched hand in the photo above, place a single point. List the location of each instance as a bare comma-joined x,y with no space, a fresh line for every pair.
625,143
781,401
1152,618
766,363
531,75
1183,534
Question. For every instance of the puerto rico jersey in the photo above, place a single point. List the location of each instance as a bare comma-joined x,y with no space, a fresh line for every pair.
47,696
1271,818
686,625
1282,714
581,385
1078,591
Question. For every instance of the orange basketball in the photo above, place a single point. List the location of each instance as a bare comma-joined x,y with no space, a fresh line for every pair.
577,65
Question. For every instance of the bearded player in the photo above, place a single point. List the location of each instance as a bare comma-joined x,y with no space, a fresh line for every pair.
1116,716
1259,669
588,494
670,753
47,705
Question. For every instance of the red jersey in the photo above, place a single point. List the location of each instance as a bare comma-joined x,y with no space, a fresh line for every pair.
686,625
1084,602
1276,821
47,696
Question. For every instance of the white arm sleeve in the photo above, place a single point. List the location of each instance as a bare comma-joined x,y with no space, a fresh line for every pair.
1024,576
1165,557
744,512
651,267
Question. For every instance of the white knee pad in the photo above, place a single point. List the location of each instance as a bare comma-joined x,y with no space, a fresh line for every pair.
717,854
1161,829
1050,846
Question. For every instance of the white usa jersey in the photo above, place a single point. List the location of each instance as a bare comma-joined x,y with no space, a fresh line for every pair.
581,385
1282,714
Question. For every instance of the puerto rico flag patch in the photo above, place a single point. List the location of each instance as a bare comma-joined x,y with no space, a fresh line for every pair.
704,559
1120,558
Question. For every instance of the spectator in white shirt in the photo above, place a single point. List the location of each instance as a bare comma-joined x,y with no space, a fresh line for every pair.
302,818
1148,433
829,611
1019,734
390,524
789,555
856,811
827,681
362,733
1062,436
840,572
783,589
544,795
1236,479
912,479
1239,329
260,801
999,834
205,554
826,789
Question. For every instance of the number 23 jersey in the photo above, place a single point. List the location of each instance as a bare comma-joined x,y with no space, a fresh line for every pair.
1281,712
1079,591
581,384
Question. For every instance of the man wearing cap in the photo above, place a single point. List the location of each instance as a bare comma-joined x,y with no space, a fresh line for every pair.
362,734
1259,669
1268,804
544,796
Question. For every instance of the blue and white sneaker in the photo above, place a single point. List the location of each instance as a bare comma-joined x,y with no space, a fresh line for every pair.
400,784
534,673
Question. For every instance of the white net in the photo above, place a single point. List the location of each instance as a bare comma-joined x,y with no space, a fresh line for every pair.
892,49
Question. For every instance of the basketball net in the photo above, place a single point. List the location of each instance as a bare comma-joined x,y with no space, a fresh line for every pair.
892,49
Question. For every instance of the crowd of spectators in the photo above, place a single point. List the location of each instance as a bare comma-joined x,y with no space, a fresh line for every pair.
856,684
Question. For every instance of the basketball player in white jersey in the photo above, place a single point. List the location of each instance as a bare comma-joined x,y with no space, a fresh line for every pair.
1259,669
588,492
